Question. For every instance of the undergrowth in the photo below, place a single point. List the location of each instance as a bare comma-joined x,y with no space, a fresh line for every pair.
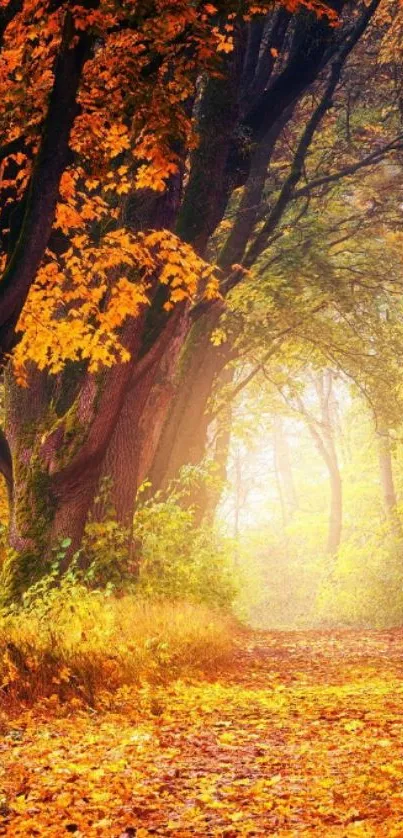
81,646
113,623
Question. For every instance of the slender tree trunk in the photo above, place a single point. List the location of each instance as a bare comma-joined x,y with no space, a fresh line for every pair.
220,460
329,412
322,432
336,511
283,469
386,472
280,491
206,496
328,451
238,505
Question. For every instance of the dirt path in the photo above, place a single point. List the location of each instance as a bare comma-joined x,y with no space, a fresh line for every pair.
303,737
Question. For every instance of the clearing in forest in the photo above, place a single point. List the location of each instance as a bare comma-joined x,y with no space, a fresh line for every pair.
302,735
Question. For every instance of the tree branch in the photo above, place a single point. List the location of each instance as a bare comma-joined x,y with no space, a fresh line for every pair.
310,42
288,188
269,354
374,157
43,189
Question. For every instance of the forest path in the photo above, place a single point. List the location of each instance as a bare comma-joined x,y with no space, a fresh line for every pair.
302,736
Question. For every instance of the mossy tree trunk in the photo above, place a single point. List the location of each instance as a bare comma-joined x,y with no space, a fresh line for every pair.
32,506
57,455
44,510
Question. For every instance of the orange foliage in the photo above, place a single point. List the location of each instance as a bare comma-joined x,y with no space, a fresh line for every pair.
78,304
301,736
133,118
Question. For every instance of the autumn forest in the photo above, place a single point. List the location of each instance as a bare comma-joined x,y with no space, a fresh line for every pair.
201,418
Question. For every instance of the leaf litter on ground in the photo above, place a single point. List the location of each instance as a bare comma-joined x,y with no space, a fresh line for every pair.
301,735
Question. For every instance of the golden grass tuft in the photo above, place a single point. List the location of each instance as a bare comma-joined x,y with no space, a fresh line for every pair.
85,645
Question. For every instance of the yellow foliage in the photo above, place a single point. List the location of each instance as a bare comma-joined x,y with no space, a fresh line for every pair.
297,734
81,300
78,643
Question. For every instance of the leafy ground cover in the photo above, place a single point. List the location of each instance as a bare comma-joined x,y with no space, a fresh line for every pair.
302,734
79,647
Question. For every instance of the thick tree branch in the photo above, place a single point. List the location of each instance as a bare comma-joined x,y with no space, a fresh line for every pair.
311,40
286,194
160,345
257,80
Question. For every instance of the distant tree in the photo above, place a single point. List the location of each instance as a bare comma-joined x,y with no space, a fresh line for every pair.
129,289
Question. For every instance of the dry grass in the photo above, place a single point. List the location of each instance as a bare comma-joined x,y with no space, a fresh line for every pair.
82,645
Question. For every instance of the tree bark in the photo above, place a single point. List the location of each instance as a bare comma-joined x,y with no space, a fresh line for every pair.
327,450
132,448
386,472
184,434
336,511
322,432
283,469
221,449
58,461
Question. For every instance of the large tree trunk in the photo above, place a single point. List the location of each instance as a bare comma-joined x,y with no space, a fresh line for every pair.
56,462
206,493
164,423
132,448
42,513
31,508
184,435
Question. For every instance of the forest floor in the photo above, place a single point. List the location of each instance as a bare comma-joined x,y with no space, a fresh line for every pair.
301,735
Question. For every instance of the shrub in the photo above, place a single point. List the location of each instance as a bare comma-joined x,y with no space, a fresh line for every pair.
179,560
73,643
167,556
365,588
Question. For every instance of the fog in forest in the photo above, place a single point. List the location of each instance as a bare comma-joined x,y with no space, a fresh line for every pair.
201,418
312,504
